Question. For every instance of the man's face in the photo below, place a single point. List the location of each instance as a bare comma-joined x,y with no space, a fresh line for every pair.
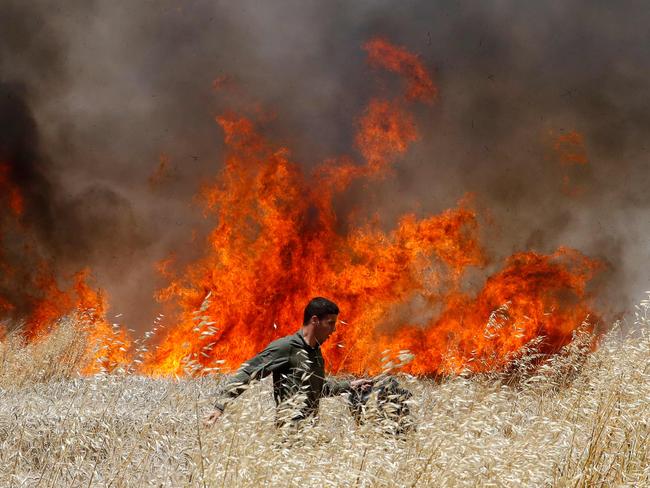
325,327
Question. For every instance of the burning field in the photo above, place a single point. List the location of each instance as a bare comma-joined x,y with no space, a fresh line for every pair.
279,239
496,291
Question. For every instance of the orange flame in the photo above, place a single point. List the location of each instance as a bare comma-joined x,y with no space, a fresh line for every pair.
383,54
107,347
279,242
386,130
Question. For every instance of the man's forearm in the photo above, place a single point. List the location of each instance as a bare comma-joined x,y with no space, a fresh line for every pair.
274,356
234,387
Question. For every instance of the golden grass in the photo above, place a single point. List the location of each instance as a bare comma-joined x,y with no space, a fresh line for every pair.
583,419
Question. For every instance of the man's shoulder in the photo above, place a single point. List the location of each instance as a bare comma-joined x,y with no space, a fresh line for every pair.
288,341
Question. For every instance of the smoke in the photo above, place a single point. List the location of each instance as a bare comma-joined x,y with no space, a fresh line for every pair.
93,93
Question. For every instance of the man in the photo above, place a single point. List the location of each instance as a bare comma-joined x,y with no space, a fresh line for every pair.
297,366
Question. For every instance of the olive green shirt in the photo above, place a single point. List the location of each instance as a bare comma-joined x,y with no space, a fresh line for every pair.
298,377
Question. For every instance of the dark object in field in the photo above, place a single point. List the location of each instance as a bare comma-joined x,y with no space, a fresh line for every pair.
385,404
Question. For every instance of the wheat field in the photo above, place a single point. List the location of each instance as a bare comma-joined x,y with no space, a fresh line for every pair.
581,419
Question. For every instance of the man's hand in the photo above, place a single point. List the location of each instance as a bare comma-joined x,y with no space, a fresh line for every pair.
211,419
362,384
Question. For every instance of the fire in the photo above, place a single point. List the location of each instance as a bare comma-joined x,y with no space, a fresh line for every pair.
46,303
106,347
279,241
383,54
534,295
385,130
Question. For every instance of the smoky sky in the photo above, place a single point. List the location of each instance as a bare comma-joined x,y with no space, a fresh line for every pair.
94,92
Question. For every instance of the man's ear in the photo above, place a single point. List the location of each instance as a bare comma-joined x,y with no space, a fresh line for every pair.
313,319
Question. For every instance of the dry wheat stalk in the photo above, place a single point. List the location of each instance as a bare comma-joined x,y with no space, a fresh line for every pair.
580,420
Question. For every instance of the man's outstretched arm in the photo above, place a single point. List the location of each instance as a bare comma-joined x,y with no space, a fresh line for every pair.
275,356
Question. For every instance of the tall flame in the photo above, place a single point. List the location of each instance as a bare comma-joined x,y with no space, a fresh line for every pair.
279,241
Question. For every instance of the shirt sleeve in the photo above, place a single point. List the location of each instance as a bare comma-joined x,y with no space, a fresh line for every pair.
333,387
275,356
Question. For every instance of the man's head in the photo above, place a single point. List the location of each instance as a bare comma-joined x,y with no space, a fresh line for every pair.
320,316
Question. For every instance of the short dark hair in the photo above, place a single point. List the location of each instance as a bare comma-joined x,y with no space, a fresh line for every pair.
320,307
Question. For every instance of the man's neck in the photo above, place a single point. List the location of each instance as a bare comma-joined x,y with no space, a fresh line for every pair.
310,336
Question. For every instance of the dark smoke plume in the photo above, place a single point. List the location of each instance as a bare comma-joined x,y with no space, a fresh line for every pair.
95,92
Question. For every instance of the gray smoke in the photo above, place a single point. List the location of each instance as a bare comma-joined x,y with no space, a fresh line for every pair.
107,87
